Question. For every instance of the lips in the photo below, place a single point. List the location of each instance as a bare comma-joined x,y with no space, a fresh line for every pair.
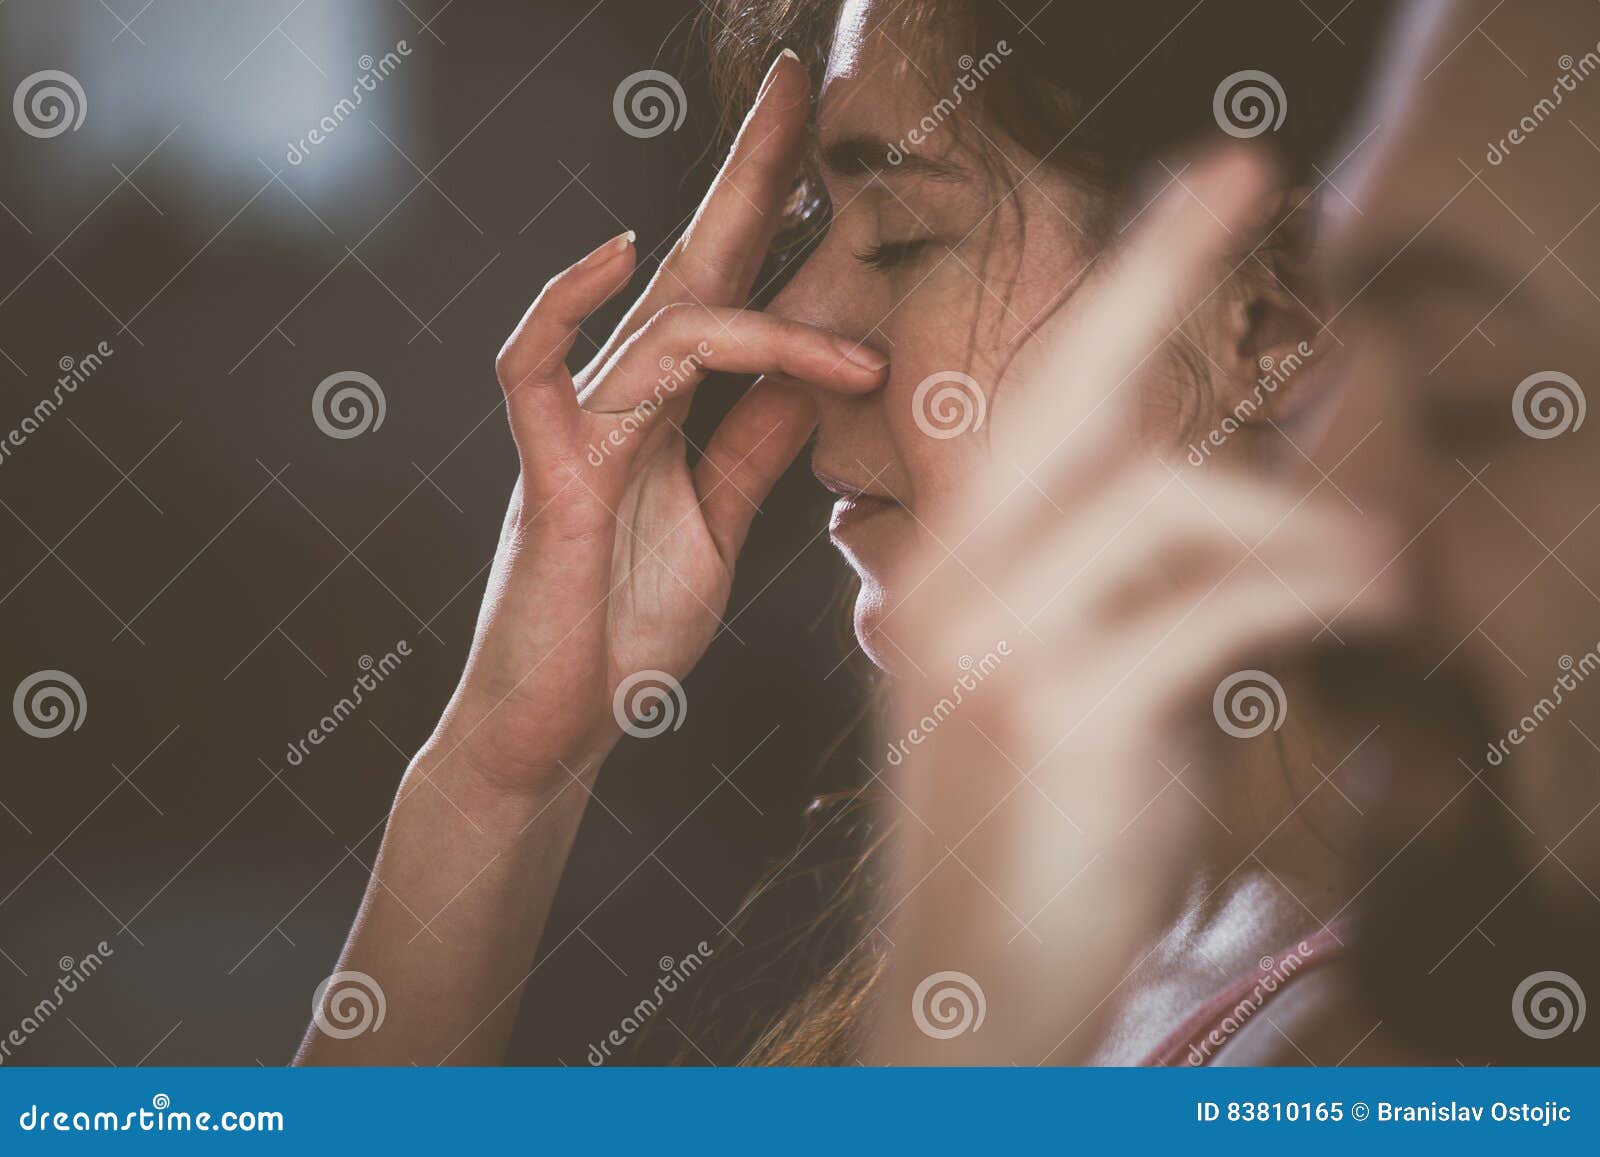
840,486
855,506
853,511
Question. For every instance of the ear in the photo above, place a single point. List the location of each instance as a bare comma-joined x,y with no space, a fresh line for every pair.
1271,332
1274,303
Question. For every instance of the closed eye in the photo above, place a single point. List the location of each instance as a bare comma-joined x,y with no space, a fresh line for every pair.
888,254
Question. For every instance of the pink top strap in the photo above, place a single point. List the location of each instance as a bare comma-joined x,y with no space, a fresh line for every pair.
1198,1039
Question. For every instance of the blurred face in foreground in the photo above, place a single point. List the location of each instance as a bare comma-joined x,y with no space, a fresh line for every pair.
1468,283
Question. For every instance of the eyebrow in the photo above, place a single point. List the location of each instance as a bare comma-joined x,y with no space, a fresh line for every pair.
869,156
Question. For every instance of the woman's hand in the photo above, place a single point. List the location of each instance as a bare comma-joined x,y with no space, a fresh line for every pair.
1069,627
615,559
616,556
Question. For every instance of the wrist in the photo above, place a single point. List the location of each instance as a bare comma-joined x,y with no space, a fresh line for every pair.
465,765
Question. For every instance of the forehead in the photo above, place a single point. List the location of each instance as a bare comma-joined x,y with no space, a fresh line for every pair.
854,40
893,104
860,85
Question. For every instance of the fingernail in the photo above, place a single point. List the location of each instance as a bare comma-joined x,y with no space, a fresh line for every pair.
772,70
862,356
609,251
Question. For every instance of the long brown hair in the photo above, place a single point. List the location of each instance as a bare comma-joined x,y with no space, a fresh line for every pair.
1102,95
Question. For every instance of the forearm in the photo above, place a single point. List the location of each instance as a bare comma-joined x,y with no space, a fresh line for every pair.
452,916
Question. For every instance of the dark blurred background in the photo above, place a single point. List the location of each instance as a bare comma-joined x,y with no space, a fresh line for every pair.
183,539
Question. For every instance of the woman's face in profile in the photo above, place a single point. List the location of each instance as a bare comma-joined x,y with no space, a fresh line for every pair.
947,247
921,263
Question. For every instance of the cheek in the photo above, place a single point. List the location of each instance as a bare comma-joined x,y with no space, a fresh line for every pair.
1499,565
947,439
954,341
939,421
939,406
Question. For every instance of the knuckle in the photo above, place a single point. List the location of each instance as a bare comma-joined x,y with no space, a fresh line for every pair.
752,170
719,269
698,257
505,362
549,291
676,318
785,329
511,360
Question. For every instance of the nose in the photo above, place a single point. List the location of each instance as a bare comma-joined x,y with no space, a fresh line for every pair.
822,292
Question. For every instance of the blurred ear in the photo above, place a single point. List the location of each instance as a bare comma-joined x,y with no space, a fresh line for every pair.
1272,366
1275,303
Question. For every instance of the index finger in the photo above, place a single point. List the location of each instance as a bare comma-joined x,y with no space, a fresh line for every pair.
716,260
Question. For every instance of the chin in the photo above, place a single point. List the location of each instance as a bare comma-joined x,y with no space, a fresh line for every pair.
871,608
875,548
